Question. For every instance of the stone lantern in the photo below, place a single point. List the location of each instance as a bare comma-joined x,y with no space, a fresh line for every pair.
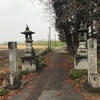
28,60
82,49
81,59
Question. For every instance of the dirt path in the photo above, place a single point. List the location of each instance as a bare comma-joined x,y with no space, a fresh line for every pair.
49,84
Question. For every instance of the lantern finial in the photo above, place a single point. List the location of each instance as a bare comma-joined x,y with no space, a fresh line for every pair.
83,28
81,25
27,28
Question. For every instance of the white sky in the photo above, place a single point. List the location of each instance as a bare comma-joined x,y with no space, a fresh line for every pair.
15,14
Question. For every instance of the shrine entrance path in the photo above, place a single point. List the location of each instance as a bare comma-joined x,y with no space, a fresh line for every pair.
49,84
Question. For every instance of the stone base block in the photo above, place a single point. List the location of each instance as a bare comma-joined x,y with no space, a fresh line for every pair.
80,63
94,80
86,87
28,64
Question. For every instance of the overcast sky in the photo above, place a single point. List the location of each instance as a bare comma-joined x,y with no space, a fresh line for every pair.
15,14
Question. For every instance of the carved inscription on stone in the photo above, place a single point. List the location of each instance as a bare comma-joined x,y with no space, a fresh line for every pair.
92,55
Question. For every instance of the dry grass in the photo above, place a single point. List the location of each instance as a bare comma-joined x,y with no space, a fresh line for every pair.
21,46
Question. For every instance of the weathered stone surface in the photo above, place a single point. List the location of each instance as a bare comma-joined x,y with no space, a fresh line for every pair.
93,76
13,63
92,55
28,64
80,59
28,60
80,63
94,80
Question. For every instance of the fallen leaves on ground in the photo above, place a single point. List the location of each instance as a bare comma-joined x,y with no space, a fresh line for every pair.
30,88
29,77
10,94
77,89
47,59
76,86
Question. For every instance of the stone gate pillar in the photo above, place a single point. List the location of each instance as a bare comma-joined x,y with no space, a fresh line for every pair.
12,46
92,55
93,76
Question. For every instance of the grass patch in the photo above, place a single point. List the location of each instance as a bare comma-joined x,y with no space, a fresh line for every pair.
41,62
45,43
3,92
98,64
22,72
78,75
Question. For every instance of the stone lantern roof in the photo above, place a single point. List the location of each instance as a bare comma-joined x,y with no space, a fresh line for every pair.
83,28
27,31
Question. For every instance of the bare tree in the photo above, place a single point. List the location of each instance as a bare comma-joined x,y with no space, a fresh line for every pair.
68,16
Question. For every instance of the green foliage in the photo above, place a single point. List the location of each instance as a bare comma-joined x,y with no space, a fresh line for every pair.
98,70
78,75
22,72
19,63
41,62
22,85
77,80
45,43
3,92
98,64
81,79
83,72
44,52
40,58
77,11
74,74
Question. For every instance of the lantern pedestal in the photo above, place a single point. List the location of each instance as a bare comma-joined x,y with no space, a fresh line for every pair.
29,64
80,62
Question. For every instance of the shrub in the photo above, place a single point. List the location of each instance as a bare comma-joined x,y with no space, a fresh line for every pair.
42,52
42,64
22,72
74,74
78,74
3,92
83,72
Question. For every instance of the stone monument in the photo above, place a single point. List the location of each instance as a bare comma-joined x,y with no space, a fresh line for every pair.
93,76
28,60
92,55
14,79
81,57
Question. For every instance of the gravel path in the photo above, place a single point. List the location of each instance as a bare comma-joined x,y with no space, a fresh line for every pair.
49,84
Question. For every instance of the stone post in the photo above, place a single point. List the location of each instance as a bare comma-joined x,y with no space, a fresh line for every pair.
93,76
12,46
92,55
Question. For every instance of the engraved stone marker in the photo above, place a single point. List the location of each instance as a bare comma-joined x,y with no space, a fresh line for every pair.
93,76
12,46
92,55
